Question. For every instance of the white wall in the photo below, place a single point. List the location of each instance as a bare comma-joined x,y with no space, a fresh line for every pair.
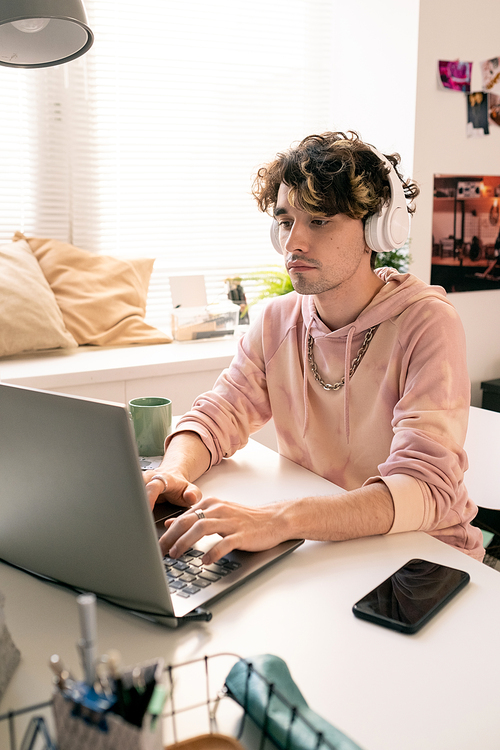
450,30
375,65
385,54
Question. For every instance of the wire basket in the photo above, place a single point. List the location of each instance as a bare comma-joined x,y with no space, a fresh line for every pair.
36,730
200,713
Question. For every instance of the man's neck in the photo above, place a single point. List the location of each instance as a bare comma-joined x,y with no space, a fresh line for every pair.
341,306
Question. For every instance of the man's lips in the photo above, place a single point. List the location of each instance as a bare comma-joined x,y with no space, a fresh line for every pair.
299,266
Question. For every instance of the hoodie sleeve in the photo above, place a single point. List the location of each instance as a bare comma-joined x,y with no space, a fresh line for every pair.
237,406
425,468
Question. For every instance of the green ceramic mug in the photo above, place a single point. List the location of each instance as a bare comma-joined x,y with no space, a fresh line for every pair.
152,420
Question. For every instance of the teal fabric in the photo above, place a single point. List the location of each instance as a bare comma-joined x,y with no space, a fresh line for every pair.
487,537
249,682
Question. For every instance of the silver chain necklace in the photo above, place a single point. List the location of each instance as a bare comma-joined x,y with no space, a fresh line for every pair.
354,366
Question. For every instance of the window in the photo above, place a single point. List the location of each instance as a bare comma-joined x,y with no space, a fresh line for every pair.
148,144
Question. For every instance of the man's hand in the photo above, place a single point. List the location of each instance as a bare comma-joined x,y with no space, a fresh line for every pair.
162,487
366,511
241,527
186,459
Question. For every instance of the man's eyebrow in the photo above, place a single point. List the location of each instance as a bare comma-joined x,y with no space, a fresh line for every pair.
279,211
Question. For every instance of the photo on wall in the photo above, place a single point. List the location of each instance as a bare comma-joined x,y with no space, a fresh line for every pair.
490,71
466,232
477,114
494,108
455,74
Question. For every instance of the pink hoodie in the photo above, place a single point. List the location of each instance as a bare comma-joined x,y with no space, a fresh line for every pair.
400,419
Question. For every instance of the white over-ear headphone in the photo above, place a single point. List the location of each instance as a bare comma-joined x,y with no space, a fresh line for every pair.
387,229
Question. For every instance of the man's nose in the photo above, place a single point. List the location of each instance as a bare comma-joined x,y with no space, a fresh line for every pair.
296,239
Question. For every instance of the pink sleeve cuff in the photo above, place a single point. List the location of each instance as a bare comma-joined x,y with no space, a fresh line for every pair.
408,499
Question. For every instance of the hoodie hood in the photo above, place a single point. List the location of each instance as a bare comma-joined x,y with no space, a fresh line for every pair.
398,293
400,290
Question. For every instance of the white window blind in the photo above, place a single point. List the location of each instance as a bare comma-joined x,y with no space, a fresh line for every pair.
147,145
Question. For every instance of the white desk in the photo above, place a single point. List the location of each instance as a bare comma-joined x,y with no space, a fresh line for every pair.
483,450
437,689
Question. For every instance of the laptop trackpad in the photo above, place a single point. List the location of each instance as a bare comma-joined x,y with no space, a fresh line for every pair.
161,512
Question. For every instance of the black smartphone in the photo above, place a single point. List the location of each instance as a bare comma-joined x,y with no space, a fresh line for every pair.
411,596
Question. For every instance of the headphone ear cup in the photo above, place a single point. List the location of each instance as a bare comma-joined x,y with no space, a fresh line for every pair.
372,224
375,232
274,232
389,228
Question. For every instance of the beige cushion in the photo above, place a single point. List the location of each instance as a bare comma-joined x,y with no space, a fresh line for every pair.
29,316
102,299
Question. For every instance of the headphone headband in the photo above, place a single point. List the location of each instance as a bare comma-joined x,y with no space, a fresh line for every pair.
387,229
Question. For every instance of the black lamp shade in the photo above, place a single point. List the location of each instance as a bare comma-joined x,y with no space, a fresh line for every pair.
41,33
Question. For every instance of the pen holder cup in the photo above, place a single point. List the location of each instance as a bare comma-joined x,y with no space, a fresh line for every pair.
9,654
81,725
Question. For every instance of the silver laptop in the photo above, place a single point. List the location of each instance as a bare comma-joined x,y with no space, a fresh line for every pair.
73,509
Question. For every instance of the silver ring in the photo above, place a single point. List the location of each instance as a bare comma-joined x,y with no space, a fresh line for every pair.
200,514
160,479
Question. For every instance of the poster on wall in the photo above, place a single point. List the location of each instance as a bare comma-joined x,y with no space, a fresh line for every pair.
490,71
466,232
455,74
477,114
494,108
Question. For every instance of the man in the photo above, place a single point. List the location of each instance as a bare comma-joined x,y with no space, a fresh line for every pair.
363,371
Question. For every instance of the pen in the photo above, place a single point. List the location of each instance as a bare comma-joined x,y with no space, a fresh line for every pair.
88,630
114,664
61,673
156,704
102,673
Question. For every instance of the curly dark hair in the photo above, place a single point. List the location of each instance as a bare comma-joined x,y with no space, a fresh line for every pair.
328,174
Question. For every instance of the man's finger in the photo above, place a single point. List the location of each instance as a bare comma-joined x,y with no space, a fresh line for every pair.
160,479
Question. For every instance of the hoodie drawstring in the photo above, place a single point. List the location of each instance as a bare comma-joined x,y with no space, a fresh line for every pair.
347,370
305,366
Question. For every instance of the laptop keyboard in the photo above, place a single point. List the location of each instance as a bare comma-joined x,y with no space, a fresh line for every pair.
187,575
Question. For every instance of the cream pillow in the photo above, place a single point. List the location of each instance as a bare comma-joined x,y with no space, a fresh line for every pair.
102,298
29,316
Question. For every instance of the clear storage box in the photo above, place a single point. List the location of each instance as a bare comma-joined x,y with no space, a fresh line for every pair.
212,321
